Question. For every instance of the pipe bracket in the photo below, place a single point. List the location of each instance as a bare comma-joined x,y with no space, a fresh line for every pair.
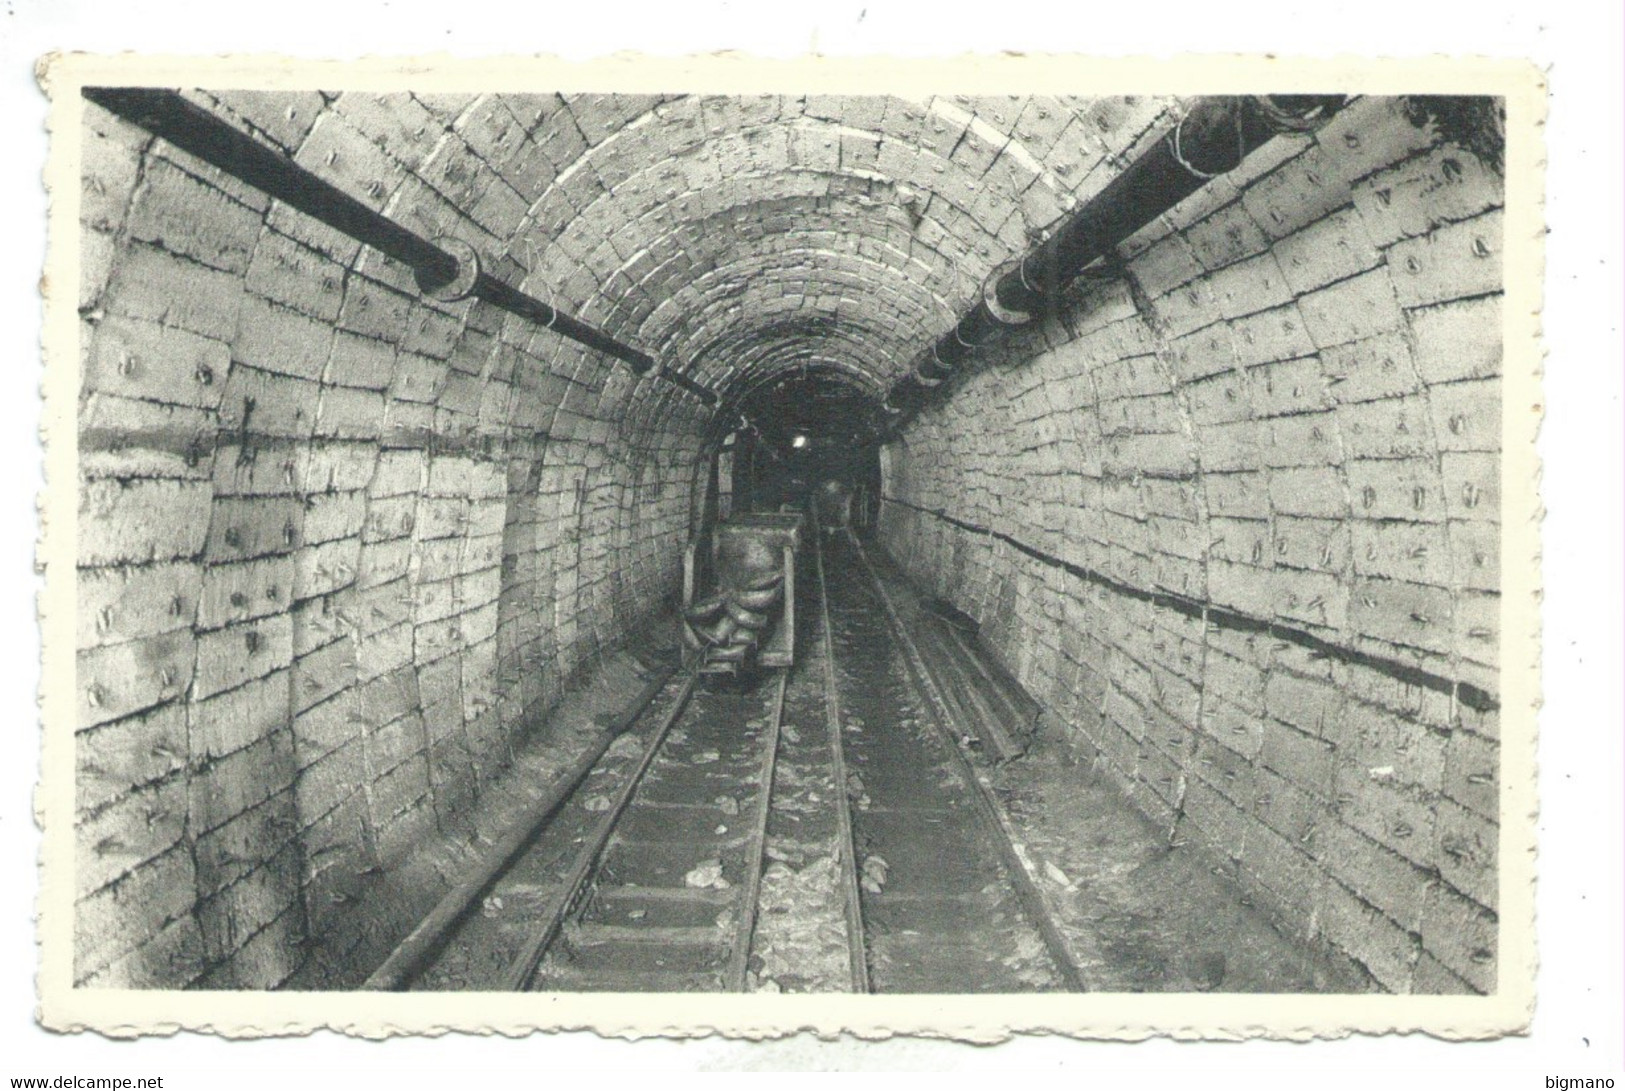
461,285
990,293
919,376
1293,114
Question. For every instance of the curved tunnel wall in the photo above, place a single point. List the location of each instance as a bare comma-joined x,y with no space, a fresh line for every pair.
342,544
339,543
1233,518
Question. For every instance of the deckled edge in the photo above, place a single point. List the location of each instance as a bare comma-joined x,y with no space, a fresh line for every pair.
1114,1017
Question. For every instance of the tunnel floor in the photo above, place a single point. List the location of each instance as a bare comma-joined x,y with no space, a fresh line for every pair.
891,853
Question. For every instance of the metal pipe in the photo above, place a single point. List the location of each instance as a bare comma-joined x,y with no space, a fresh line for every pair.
1213,137
499,293
444,269
677,378
167,114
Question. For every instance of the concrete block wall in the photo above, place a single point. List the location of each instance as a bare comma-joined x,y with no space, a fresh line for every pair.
1234,518
339,544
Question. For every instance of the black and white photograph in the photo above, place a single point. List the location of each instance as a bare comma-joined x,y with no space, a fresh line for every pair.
700,540
607,541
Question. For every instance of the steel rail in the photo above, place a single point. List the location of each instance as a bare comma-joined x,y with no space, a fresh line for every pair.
751,891
414,952
856,945
1027,892
523,967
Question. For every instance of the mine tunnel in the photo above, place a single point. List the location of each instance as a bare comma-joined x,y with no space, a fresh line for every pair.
788,543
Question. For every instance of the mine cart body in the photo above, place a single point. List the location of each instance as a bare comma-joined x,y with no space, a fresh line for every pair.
754,550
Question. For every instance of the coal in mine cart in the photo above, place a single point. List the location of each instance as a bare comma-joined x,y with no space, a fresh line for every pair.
739,596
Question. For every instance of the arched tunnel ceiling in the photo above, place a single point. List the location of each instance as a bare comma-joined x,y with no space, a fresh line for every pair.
739,237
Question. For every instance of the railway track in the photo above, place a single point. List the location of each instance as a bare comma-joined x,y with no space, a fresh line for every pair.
817,830
947,904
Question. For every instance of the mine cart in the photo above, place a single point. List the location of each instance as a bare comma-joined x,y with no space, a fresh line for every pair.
739,598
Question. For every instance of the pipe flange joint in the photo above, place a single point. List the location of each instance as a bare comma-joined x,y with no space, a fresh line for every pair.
461,285
990,294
